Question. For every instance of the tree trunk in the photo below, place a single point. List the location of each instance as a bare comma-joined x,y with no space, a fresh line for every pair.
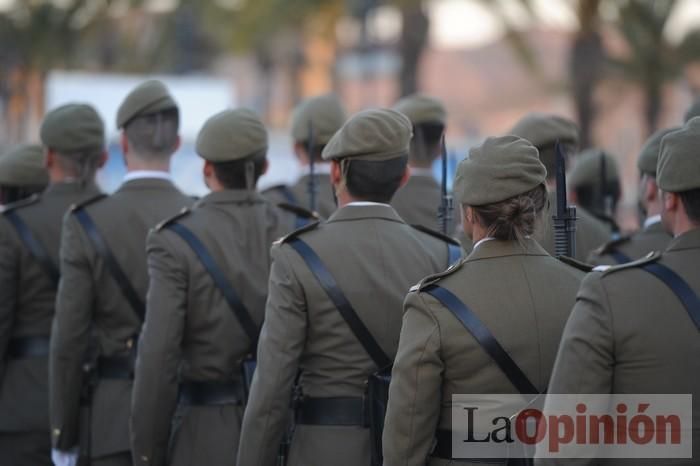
414,38
587,58
653,106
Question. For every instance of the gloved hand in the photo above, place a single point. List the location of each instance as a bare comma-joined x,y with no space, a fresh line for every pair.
64,458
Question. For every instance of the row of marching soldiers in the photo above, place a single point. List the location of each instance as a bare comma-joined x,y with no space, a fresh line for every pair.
131,324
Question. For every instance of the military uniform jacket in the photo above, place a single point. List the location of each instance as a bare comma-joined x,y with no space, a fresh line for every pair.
90,304
191,333
374,257
417,202
27,296
629,333
520,293
298,194
652,238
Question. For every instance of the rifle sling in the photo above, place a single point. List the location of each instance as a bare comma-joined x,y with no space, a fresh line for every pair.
35,248
680,288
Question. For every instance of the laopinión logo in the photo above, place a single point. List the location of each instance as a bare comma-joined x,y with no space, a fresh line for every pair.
572,426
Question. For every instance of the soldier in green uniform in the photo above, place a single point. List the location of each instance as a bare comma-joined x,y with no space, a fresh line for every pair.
653,236
30,231
631,331
544,131
314,122
193,340
104,281
22,173
518,292
366,255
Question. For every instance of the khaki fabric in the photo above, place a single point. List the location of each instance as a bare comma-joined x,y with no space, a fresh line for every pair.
678,169
418,201
91,306
191,333
521,294
629,333
374,256
298,194
652,238
27,297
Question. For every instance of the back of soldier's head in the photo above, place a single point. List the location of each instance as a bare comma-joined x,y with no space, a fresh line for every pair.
315,121
22,173
586,180
428,117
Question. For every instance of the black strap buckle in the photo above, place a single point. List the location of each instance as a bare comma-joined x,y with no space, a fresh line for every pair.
210,393
332,411
28,347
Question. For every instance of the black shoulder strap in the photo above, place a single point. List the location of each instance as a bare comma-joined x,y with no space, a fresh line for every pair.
234,302
330,286
110,261
619,257
682,290
32,244
485,338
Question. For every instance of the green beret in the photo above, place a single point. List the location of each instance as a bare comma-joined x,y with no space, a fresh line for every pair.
499,169
679,161
693,111
422,109
73,128
588,166
23,165
649,155
231,135
544,130
376,135
324,115
147,98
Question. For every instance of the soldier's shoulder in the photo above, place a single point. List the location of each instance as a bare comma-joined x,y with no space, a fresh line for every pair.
610,270
436,234
297,233
297,210
437,277
33,199
86,202
612,245
577,264
170,220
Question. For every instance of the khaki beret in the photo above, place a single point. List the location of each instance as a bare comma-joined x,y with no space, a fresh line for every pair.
693,111
649,155
679,161
422,109
231,135
376,135
544,130
147,98
324,115
499,169
588,167
23,165
73,128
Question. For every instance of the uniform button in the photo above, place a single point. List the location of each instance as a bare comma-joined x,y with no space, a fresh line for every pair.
56,432
144,458
129,343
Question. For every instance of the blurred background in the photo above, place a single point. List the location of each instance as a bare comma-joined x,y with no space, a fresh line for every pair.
620,68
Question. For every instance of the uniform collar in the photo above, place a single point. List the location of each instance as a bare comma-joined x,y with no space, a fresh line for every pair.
70,187
500,248
147,174
688,240
232,196
147,183
650,221
365,210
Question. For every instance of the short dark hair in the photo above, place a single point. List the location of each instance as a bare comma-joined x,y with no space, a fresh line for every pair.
154,135
691,203
425,145
232,174
79,165
375,181
590,197
316,152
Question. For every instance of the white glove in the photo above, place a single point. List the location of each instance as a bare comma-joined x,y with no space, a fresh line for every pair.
64,458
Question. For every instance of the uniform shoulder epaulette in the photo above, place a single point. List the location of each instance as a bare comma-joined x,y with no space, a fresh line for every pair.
184,212
432,279
576,263
297,232
33,199
436,234
87,202
648,259
612,245
297,210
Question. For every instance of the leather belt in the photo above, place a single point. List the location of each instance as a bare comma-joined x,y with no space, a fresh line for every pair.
115,367
210,393
339,411
28,347
443,450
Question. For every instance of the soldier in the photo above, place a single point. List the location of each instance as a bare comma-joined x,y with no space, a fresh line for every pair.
365,257
518,292
693,111
544,131
30,230
653,236
314,122
192,336
104,281
587,189
632,329
22,173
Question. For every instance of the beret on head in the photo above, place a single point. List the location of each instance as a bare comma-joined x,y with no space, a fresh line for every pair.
545,130
322,115
649,155
422,109
679,159
499,169
231,135
147,98
588,168
23,165
73,128
693,110
375,135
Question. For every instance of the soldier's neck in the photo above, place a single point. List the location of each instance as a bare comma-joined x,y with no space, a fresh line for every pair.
135,163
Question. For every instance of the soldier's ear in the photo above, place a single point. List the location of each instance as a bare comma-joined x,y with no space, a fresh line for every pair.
104,156
336,173
406,176
266,166
124,143
300,152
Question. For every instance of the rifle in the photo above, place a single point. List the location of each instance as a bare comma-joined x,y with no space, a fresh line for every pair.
605,195
565,217
312,187
446,207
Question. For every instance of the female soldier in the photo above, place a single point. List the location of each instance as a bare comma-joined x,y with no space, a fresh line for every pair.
520,294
